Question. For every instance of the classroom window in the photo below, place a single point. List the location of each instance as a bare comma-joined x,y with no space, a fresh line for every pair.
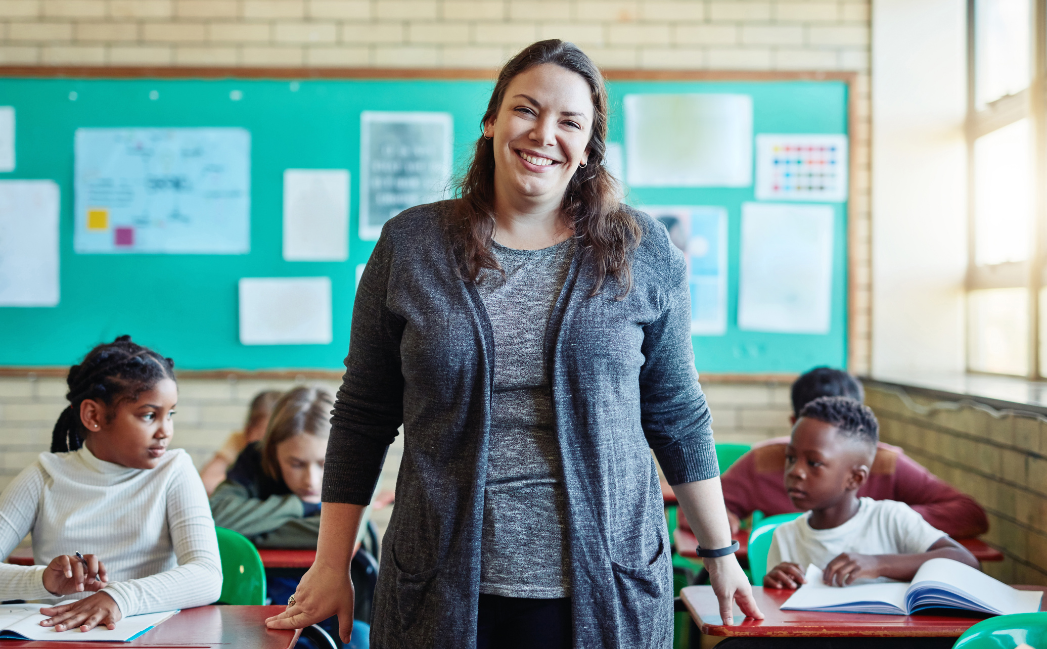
1002,29
1003,195
999,321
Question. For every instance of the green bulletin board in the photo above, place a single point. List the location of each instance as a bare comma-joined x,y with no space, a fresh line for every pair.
186,306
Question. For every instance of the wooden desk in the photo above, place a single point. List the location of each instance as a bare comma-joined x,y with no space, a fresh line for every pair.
206,627
21,557
705,611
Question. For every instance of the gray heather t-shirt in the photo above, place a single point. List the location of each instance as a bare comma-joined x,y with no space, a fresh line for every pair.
524,543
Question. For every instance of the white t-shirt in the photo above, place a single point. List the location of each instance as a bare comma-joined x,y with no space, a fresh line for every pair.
879,527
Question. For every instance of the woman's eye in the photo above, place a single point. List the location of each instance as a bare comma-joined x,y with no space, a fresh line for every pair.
525,110
572,124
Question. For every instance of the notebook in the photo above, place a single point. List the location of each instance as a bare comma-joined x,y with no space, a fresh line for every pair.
939,583
22,622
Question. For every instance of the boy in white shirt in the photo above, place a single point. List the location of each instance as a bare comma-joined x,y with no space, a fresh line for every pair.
853,540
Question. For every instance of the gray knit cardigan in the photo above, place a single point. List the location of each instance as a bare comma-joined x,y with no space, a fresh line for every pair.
623,381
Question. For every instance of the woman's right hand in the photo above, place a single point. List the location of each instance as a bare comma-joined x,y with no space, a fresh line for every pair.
324,591
67,574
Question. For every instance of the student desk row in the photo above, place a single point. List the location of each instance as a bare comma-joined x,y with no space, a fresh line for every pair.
705,610
271,558
205,627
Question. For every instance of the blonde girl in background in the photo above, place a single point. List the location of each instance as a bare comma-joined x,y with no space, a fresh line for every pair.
258,414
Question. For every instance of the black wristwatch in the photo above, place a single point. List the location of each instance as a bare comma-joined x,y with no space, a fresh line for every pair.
719,552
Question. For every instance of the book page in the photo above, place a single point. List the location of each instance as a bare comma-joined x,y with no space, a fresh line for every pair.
962,581
11,614
126,629
874,598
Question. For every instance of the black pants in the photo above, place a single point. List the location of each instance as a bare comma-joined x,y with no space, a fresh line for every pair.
519,623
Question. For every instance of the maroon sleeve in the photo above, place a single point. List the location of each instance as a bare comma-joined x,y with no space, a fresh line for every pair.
735,493
947,509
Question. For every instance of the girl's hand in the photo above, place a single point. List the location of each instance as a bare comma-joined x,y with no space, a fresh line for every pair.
66,575
88,613
785,575
730,585
844,569
323,592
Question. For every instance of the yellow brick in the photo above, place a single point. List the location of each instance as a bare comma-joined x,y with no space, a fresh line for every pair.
839,35
239,33
805,60
403,56
529,10
342,9
140,55
203,56
174,32
739,58
305,33
275,56
207,9
772,35
578,34
474,10
662,58
436,33
106,32
739,10
74,8
131,9
614,58
706,35
856,12
514,33
806,12
406,9
16,388
353,33
473,57
19,8
679,10
638,34
44,32
274,8
610,11
855,60
337,56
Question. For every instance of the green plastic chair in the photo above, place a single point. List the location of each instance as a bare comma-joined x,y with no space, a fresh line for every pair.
760,544
728,454
243,575
1006,632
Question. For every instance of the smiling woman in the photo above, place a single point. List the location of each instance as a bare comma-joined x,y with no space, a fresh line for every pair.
533,339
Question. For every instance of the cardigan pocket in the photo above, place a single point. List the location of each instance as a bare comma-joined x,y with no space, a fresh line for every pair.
416,602
642,596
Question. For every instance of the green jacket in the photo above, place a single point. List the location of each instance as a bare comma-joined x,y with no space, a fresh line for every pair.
278,521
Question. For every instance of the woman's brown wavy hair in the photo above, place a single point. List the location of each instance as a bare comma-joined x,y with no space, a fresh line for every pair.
606,233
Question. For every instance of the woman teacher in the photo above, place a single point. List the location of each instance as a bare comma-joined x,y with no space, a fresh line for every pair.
533,339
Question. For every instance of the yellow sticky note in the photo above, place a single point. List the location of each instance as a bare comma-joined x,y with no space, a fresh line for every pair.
97,218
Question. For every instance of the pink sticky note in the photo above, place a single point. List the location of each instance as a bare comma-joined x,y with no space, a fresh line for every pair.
125,236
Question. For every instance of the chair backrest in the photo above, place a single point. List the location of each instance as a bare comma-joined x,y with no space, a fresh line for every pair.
728,454
760,544
1006,632
243,575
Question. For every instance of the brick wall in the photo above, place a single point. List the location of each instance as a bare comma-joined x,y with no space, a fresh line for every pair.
998,458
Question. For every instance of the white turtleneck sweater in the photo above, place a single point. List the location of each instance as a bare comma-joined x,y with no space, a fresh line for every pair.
152,529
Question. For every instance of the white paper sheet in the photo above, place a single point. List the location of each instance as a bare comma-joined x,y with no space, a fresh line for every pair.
700,232
28,243
785,282
7,138
697,140
316,214
801,167
405,160
163,190
285,310
24,620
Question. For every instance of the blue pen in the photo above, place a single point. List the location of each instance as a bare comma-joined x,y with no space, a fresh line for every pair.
82,559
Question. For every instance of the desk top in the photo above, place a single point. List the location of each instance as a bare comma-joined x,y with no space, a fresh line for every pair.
277,558
206,627
701,602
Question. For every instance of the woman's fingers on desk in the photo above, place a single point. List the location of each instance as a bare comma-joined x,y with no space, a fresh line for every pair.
98,609
321,594
731,586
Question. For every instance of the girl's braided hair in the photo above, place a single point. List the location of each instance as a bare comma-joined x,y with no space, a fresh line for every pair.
110,373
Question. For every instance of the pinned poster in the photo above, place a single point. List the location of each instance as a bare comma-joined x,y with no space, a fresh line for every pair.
801,168
162,190
285,311
785,282
316,214
693,140
405,160
700,232
28,243
7,138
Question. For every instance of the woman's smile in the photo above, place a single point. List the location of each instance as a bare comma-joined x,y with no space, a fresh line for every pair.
534,160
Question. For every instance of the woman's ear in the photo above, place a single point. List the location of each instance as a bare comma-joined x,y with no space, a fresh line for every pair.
488,129
92,414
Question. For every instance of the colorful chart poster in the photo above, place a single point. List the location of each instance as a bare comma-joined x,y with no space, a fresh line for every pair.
405,160
801,168
285,311
152,190
701,233
28,243
316,214
692,140
785,282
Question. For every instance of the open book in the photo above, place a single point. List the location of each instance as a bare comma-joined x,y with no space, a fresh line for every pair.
22,622
939,583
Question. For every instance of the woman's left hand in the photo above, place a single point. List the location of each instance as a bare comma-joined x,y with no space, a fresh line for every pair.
97,610
731,585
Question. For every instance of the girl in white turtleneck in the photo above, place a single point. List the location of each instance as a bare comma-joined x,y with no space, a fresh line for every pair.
111,490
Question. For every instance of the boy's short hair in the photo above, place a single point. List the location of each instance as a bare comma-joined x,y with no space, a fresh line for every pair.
824,382
849,416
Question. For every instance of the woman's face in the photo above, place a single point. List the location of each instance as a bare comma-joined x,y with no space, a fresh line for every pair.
301,460
541,133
